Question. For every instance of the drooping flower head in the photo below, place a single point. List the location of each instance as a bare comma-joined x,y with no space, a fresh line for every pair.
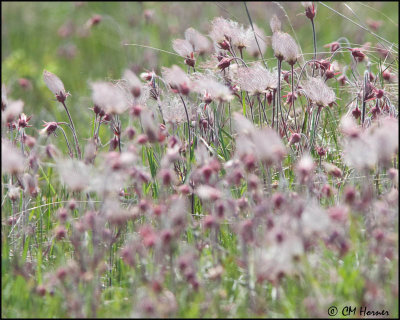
55,85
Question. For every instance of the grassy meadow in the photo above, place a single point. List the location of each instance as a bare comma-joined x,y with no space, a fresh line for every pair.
211,176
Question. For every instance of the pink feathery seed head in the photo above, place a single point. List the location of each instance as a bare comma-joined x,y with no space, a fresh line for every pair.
177,79
318,92
13,110
253,48
182,47
109,97
200,43
55,85
285,47
275,24
305,168
310,9
134,84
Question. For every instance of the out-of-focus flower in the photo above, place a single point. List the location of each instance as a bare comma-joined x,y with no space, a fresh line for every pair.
12,161
109,97
12,110
177,79
74,173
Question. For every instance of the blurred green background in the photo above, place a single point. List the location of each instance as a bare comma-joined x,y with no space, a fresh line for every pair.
55,36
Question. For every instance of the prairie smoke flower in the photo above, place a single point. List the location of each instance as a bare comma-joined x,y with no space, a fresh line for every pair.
30,184
243,125
13,193
269,147
314,220
275,24
177,79
12,161
256,79
227,32
222,31
49,128
208,193
359,153
318,92
23,121
384,139
12,110
74,174
208,85
252,47
134,84
173,111
278,259
182,47
305,168
310,9
149,126
55,85
199,42
285,47
109,97
333,46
